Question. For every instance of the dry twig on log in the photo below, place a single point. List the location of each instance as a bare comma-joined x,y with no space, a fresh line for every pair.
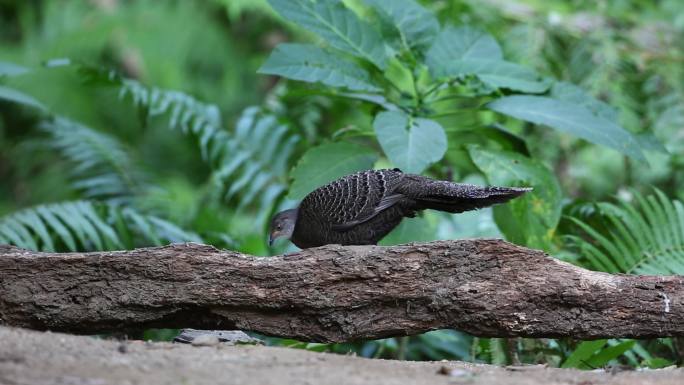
334,293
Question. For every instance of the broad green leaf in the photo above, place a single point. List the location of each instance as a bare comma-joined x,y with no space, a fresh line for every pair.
312,64
327,162
571,93
657,363
416,229
495,73
605,355
649,142
461,43
15,96
11,69
582,353
416,26
399,75
570,118
410,143
532,218
338,25
371,98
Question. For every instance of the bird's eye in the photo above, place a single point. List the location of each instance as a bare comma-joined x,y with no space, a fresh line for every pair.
279,227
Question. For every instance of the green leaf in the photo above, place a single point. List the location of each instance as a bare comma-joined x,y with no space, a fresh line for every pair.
15,96
657,363
645,236
327,162
416,26
571,93
59,226
569,118
312,64
371,98
258,149
604,356
410,230
30,219
531,219
410,143
582,353
461,43
399,75
339,26
11,69
100,165
496,73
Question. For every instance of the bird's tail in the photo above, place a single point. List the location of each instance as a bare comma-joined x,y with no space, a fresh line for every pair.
459,197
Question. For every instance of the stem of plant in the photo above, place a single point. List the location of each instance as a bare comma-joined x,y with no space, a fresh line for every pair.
450,97
419,97
432,89
403,346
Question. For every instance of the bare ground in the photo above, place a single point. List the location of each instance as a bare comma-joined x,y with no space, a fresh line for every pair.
37,358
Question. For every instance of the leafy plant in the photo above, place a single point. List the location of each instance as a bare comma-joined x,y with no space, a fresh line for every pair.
641,237
249,162
422,79
102,168
86,225
593,355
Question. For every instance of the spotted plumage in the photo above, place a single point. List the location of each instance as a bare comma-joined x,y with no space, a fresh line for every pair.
361,208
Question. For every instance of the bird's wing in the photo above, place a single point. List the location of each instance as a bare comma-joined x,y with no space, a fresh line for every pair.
385,203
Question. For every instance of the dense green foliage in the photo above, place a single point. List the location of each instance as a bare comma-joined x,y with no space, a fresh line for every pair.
118,129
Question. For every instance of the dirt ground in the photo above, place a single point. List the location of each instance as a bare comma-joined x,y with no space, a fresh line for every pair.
37,358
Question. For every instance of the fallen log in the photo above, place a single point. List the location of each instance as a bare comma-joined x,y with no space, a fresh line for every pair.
333,293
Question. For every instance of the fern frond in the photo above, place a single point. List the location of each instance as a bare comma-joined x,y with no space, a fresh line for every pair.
249,163
102,168
86,225
642,237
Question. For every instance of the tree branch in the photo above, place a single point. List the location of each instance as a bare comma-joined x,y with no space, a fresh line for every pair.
334,293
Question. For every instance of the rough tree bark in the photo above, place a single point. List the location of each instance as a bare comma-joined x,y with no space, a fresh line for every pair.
334,293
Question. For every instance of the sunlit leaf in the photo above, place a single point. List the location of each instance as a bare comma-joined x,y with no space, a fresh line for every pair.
583,352
571,93
416,26
412,144
338,25
309,63
570,118
496,73
461,43
609,353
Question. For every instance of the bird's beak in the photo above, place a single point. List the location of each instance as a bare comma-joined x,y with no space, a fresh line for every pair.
271,238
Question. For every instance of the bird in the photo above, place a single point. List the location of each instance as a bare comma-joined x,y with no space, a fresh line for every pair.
361,208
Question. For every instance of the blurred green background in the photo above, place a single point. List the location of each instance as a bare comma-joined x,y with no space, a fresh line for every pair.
133,123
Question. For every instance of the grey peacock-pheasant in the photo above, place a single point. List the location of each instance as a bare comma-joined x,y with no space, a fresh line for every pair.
361,208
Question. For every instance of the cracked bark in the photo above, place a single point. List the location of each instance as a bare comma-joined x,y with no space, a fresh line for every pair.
333,293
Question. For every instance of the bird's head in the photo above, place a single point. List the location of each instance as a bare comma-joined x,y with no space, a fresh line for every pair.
282,225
